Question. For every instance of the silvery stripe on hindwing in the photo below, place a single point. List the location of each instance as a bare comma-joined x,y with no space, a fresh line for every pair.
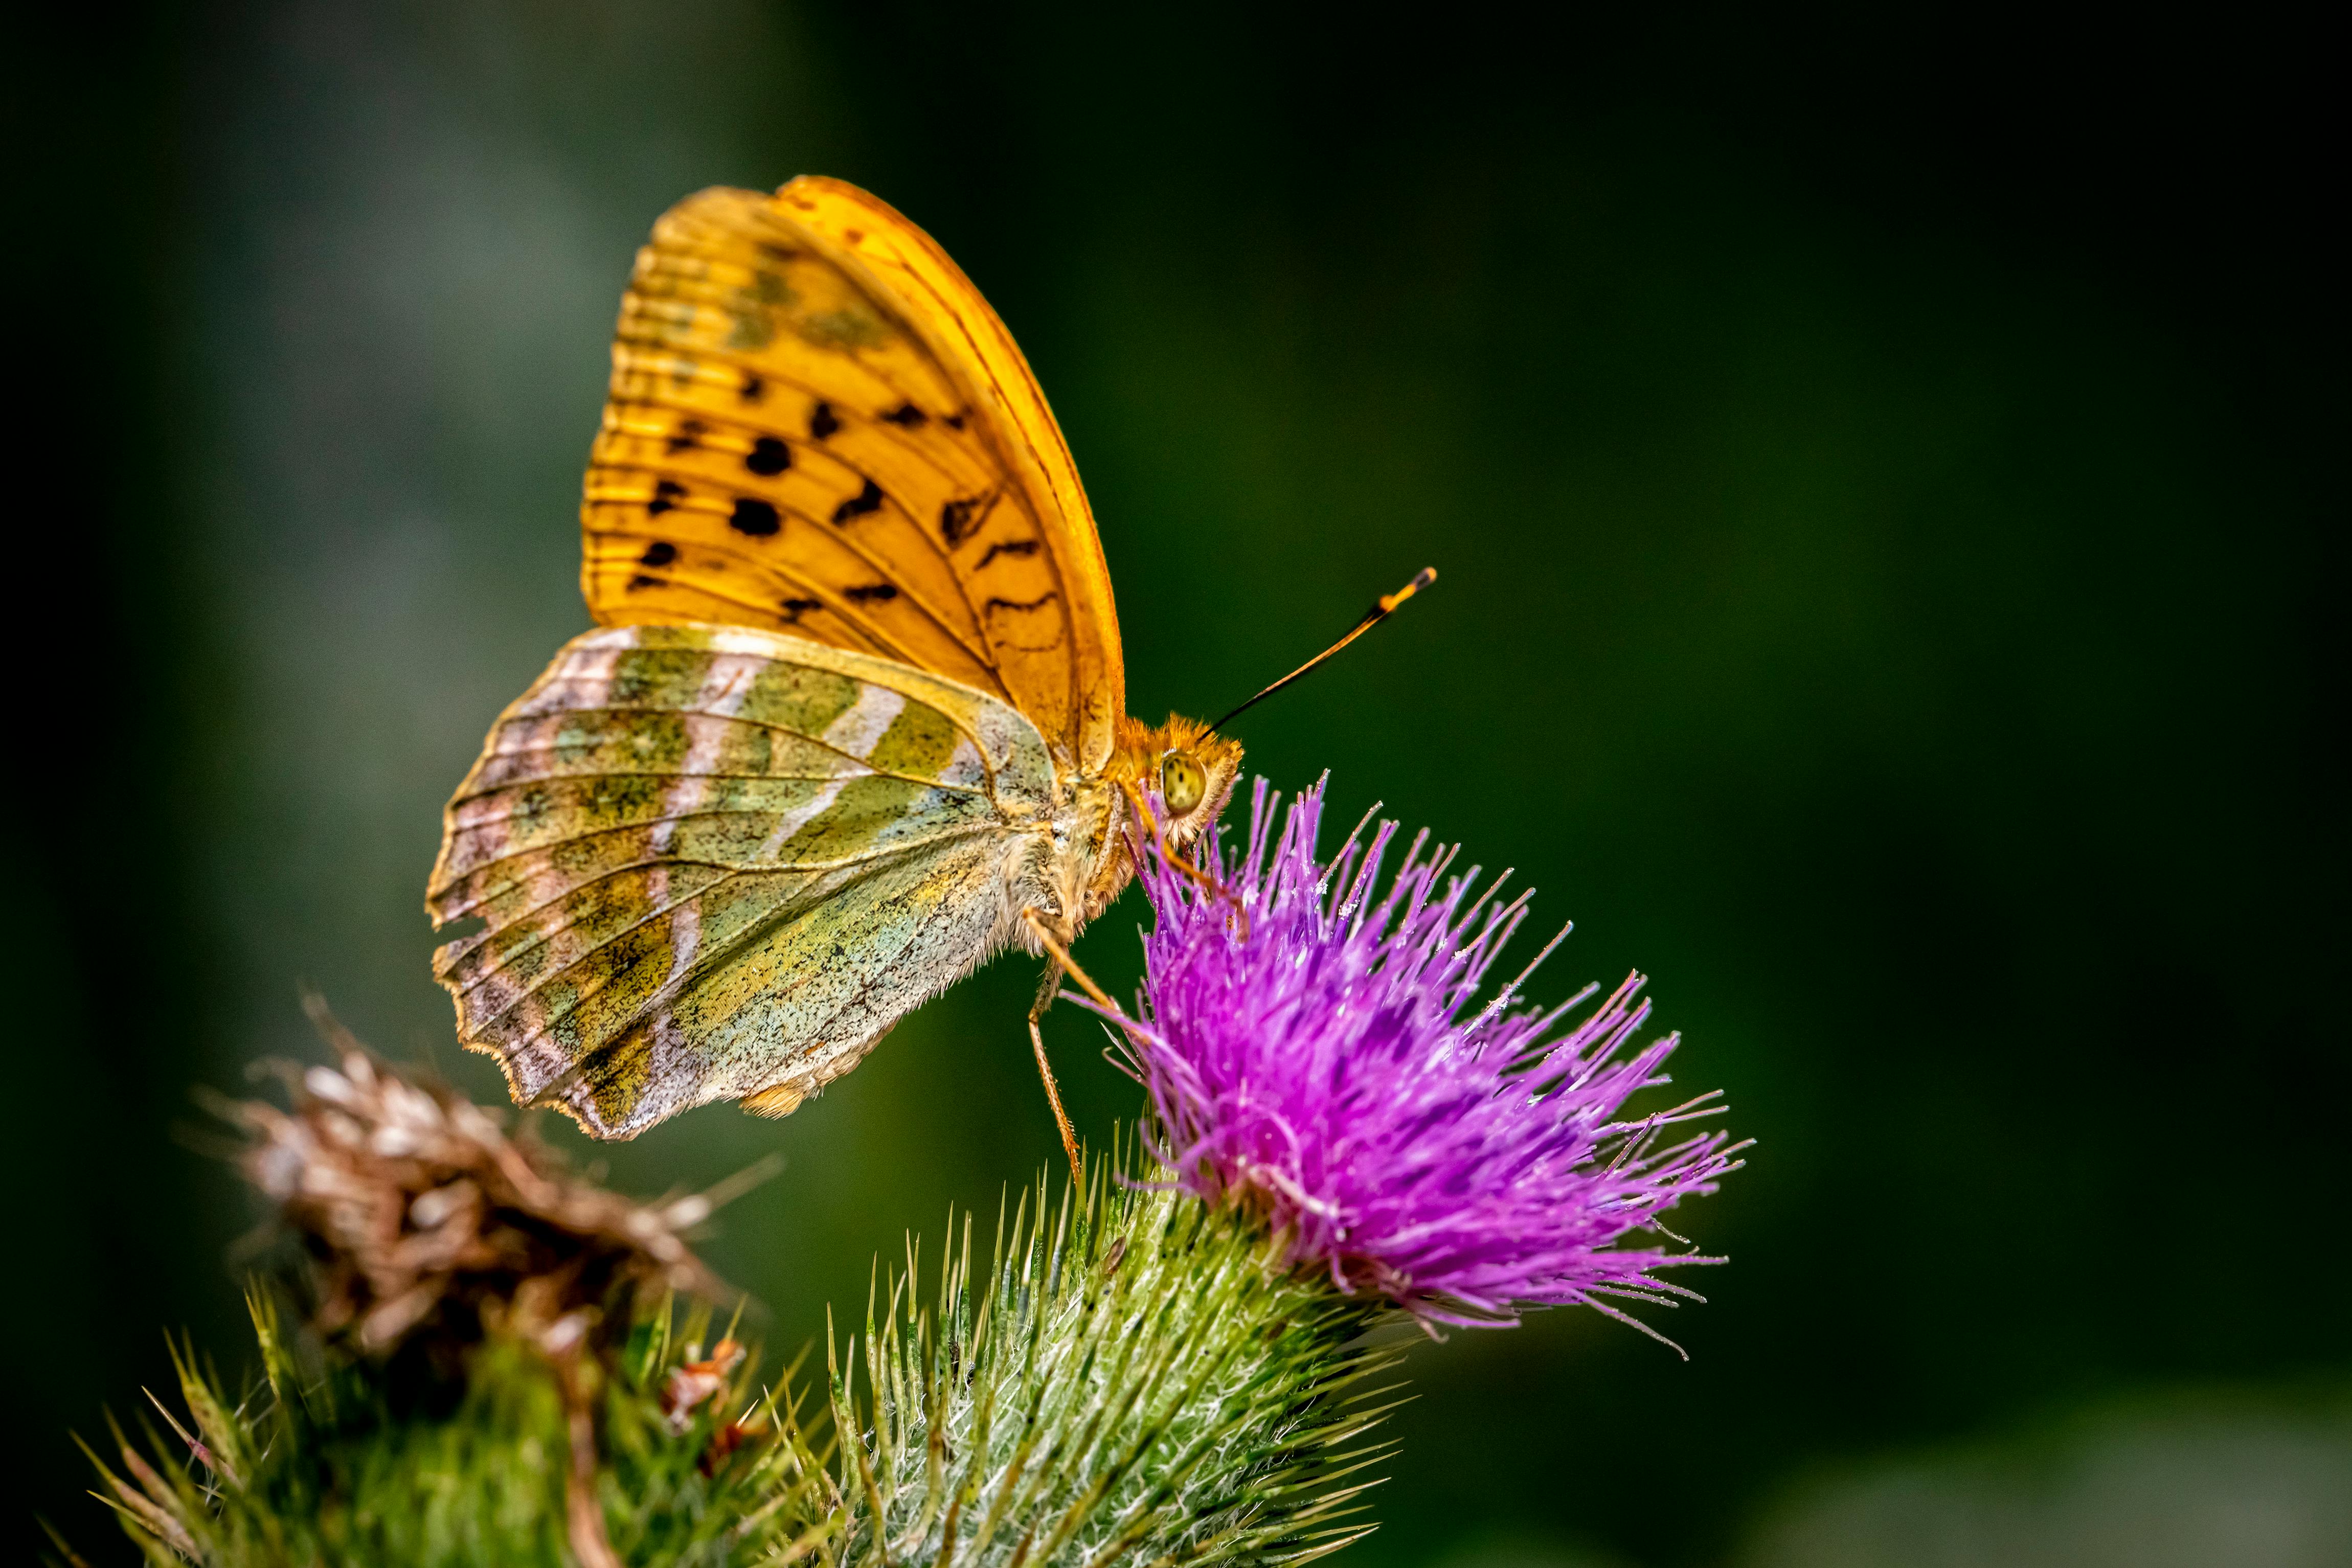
703,714
1009,744
725,684
792,822
855,732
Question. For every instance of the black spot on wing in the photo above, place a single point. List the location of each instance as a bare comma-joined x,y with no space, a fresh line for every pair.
906,416
754,389
687,435
667,493
1039,603
642,581
953,422
796,608
661,552
754,517
873,593
958,518
768,457
822,423
1017,547
870,499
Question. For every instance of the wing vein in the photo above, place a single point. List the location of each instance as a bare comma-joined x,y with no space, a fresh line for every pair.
727,868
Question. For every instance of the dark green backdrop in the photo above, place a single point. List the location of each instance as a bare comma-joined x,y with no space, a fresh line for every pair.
1886,479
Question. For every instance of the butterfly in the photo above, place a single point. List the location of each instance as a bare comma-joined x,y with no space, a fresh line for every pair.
853,719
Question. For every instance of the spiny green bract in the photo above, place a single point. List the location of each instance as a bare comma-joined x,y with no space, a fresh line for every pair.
1138,1379
346,1464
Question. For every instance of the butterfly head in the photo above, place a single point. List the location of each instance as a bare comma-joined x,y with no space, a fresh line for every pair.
1183,772
1190,767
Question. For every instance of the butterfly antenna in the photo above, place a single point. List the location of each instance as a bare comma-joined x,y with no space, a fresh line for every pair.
1380,610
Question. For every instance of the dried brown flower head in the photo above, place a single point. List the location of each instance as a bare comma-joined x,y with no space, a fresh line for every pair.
415,1208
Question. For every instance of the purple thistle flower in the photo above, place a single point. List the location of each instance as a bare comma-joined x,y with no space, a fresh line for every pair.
1316,1049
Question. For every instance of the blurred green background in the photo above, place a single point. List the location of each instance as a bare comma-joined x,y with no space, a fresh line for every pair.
1886,474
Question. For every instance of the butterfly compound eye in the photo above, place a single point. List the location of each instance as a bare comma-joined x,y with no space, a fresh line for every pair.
1182,782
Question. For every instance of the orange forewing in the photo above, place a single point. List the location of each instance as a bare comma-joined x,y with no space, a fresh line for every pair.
817,425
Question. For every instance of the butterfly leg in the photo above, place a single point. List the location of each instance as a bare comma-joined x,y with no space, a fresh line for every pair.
1058,963
1049,986
1045,1069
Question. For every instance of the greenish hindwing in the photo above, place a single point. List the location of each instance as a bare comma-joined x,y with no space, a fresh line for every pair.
711,860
